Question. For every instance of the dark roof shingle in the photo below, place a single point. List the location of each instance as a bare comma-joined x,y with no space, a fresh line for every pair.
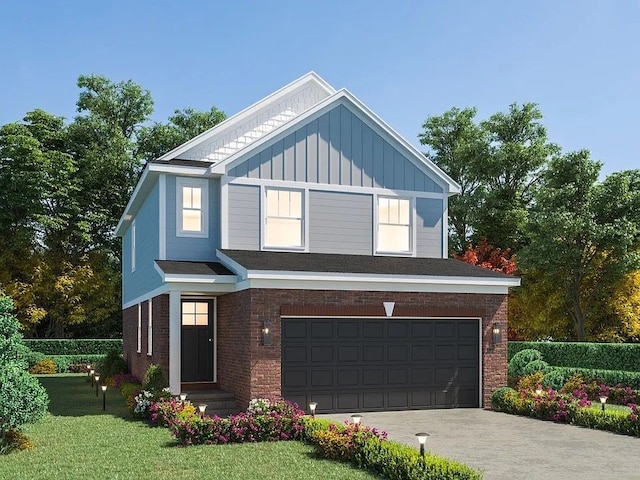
177,267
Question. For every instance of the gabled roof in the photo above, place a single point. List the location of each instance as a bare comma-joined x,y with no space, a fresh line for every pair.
252,123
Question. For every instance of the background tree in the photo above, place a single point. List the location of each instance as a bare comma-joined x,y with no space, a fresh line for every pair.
584,234
460,147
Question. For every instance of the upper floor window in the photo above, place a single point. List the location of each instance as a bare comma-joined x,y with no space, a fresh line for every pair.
283,219
394,225
191,207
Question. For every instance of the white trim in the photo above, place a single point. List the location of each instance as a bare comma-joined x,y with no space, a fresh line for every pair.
203,185
242,116
445,230
184,278
162,221
326,187
199,297
133,246
126,215
139,343
303,212
480,373
412,227
144,297
194,288
150,327
224,212
175,341
343,97
183,170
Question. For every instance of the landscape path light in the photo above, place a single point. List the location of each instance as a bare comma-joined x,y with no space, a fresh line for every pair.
312,407
97,378
183,397
201,408
91,373
104,397
422,439
603,400
356,418
538,391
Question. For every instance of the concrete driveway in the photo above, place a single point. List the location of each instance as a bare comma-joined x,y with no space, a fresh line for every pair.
511,447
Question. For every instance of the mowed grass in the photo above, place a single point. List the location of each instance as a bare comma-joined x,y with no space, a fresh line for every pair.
78,440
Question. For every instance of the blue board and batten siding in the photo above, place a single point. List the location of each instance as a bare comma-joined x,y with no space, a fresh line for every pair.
337,148
193,248
340,223
145,278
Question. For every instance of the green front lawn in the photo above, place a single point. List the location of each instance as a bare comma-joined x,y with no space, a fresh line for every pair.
79,440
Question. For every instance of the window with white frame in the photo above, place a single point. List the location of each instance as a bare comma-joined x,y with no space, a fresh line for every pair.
394,225
150,328
133,246
191,202
139,349
283,219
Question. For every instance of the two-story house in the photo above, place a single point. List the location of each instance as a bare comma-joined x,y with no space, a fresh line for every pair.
299,249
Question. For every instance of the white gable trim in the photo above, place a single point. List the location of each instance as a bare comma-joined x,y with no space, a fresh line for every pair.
342,97
245,114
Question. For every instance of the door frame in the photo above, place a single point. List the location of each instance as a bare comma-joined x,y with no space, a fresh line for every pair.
214,314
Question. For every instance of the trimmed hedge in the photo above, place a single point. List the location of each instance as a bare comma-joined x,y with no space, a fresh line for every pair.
600,356
608,377
74,346
63,362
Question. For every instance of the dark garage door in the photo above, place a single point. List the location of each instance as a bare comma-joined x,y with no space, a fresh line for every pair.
348,364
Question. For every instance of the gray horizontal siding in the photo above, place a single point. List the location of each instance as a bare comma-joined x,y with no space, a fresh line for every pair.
244,217
429,227
339,149
340,223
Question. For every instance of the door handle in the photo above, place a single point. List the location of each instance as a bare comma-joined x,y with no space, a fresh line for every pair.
211,339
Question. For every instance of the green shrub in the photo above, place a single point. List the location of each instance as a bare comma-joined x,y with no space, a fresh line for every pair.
573,383
554,378
535,367
33,358
611,420
15,440
531,382
65,362
112,364
599,356
520,360
46,366
503,398
74,346
608,377
313,425
127,389
154,379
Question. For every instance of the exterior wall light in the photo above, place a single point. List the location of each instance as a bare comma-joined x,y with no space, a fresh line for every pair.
266,333
97,378
422,439
201,408
104,397
183,397
496,333
356,419
312,408
603,400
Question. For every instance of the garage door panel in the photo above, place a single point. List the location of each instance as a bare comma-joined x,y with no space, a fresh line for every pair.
373,329
294,354
348,378
398,376
380,364
397,353
322,354
349,353
373,353
348,329
322,330
322,378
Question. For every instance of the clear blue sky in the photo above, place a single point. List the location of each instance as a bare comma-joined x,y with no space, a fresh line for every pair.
579,60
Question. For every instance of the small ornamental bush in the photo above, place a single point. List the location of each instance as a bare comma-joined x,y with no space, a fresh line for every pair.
15,440
531,382
516,366
554,378
112,364
345,443
164,412
535,367
145,399
154,379
45,366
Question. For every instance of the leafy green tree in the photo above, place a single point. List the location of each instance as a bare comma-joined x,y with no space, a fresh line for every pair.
460,147
183,125
22,398
584,234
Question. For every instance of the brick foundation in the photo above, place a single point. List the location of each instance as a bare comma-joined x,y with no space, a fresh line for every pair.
139,362
248,369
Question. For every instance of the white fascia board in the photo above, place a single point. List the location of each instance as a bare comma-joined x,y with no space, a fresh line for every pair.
380,278
372,286
342,96
191,288
187,278
127,215
182,170
143,298
240,117
232,265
